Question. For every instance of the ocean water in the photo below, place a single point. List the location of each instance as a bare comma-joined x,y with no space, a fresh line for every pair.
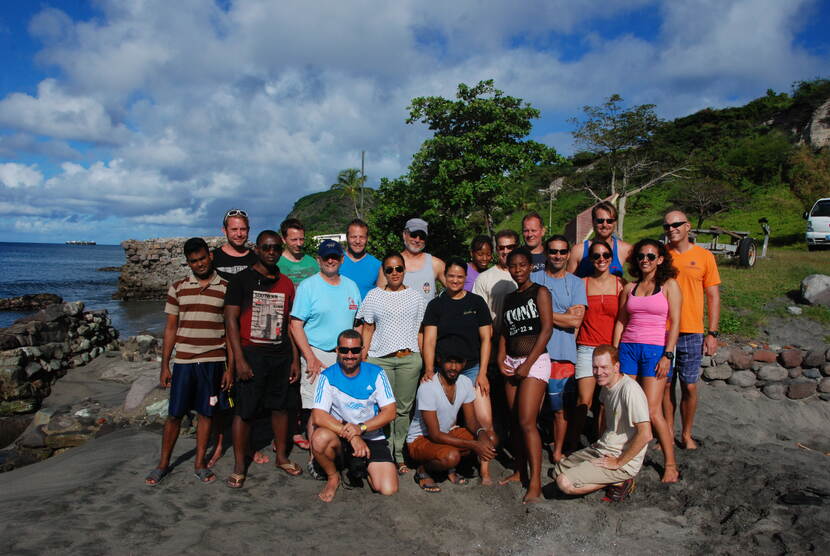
71,271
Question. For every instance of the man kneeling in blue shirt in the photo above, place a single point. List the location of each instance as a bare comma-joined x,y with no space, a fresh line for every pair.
352,403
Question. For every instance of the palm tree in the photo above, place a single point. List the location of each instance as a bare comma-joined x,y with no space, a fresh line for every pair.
350,183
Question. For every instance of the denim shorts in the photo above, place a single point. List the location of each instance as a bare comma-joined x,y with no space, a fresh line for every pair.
688,355
585,361
471,373
641,359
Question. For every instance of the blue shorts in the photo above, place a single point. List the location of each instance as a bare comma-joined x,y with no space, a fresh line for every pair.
640,359
471,373
195,387
688,355
561,392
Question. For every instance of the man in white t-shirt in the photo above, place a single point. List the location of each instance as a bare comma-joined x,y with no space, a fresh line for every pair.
352,403
434,441
614,459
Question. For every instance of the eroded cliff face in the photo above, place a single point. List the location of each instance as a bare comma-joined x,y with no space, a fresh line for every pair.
151,265
818,131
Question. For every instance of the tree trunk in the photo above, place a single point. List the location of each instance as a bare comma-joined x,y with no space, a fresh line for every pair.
621,214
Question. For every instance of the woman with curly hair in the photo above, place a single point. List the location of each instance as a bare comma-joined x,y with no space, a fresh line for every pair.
648,323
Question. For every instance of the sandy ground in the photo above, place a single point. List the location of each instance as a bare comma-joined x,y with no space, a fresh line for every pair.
748,489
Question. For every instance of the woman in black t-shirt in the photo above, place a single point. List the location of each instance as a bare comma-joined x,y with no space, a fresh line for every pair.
527,323
458,322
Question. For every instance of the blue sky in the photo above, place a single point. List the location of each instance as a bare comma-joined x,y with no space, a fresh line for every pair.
137,119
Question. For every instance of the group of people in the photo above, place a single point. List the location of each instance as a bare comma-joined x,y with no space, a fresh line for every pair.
366,365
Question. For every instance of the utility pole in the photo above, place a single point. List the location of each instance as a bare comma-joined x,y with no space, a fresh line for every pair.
362,178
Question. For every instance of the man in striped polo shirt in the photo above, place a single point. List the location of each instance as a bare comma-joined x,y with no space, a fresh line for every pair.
195,327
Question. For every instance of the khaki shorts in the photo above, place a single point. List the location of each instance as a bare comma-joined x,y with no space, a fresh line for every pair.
579,470
423,449
307,388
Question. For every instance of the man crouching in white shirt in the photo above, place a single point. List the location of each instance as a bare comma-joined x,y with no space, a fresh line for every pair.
352,403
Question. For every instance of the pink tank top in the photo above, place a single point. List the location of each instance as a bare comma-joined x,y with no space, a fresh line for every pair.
647,318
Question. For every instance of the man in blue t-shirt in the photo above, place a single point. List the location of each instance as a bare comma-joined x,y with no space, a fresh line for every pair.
352,403
359,265
569,302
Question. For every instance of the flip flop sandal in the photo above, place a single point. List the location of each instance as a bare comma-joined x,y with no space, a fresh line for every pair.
291,468
459,480
431,488
155,476
403,469
235,480
300,442
205,475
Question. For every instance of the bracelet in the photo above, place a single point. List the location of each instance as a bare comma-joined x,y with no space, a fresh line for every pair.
479,431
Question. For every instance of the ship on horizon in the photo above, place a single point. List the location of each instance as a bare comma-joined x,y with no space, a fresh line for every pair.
75,242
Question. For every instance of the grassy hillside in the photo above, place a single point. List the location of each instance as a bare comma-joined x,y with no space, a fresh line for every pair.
327,212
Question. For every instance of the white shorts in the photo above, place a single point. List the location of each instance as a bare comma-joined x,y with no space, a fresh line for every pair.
540,369
307,388
584,361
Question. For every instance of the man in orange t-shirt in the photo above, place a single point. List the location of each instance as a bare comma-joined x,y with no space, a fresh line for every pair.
698,277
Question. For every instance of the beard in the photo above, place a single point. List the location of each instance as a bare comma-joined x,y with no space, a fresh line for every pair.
450,380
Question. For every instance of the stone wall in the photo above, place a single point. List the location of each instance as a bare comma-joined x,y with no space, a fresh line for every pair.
152,265
37,350
773,371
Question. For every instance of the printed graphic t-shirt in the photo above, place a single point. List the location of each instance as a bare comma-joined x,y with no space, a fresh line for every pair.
227,266
265,305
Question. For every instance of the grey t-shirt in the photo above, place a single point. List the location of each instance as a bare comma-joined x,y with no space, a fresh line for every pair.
431,397
565,292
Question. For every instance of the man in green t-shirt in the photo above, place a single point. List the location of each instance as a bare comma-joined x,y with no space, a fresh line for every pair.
294,263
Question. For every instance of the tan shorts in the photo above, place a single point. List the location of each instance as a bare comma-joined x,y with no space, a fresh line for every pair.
307,388
579,470
423,449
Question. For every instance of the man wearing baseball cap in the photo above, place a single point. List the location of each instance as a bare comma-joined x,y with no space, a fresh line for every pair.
325,304
422,269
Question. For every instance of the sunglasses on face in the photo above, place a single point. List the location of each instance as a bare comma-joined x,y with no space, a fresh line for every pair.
418,235
508,247
649,256
270,247
674,225
345,350
558,251
604,220
391,269
597,256
330,257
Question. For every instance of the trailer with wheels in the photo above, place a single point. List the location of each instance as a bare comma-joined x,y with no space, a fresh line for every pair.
741,246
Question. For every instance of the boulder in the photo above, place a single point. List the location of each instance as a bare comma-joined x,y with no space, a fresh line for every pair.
722,355
773,373
824,385
825,369
801,388
739,359
706,361
815,289
139,390
720,372
744,379
795,372
159,408
793,310
764,355
776,391
814,358
791,358
29,302
718,383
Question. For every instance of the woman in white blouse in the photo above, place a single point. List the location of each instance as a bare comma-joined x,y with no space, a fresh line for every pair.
392,339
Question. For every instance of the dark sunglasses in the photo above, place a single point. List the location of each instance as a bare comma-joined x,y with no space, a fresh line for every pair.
604,220
418,234
270,247
597,256
331,256
650,256
508,247
391,269
674,225
558,251
345,350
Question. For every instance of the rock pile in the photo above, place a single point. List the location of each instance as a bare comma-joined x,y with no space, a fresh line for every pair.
152,265
776,372
37,350
29,302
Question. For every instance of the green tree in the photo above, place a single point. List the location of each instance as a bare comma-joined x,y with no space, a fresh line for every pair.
620,137
809,174
350,183
477,150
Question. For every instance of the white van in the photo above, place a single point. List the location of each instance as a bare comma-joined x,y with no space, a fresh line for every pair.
818,224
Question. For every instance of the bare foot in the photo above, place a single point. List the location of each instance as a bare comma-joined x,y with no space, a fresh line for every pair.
514,478
532,496
485,478
259,457
688,443
671,474
556,456
217,453
328,492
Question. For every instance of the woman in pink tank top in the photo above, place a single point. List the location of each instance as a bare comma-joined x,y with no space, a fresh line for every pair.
646,331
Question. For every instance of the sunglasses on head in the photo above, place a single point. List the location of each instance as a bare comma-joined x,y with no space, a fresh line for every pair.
674,225
234,212
418,234
604,220
604,255
508,247
649,256
345,350
270,247
558,251
391,269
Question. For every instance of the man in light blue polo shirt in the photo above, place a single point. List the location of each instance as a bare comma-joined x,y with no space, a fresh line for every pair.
325,304
359,265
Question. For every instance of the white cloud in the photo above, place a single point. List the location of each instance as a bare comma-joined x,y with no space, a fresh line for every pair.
15,175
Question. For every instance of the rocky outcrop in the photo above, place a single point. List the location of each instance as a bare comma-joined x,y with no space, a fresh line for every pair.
152,265
37,350
29,302
819,130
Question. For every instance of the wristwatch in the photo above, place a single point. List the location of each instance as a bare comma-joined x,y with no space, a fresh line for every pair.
362,427
713,333
669,355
